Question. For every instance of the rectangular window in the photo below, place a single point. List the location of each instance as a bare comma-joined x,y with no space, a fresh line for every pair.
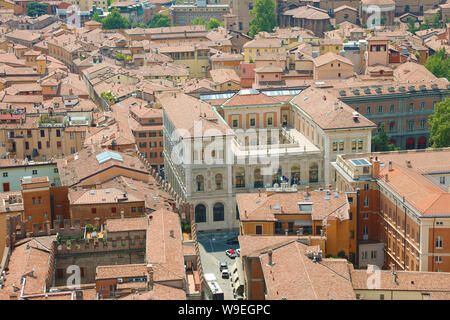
5,174
366,202
258,229
439,242
42,133
94,210
35,172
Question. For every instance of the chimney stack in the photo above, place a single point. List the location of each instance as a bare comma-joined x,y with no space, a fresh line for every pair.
150,276
375,168
390,166
307,190
269,253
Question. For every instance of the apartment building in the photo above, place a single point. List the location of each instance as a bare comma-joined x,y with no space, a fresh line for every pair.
291,268
147,127
260,46
404,204
43,203
110,203
13,170
185,12
328,215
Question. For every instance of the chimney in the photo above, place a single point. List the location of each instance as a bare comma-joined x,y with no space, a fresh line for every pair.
307,190
172,234
269,253
375,168
390,166
408,163
386,177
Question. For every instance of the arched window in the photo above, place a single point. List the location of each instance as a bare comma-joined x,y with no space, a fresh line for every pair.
200,213
258,178
313,172
240,178
295,175
410,143
276,177
218,212
219,181
200,183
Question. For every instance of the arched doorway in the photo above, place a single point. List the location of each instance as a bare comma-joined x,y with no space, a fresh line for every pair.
200,213
295,175
218,212
410,143
313,173
276,176
258,178
422,143
240,178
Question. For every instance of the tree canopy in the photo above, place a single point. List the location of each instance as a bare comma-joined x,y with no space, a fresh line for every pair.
198,21
115,21
265,18
36,9
438,64
381,142
440,125
159,21
212,24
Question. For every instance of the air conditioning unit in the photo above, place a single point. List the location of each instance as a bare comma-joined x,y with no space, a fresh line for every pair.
119,280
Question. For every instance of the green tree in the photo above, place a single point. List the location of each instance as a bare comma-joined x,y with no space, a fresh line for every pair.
115,21
439,64
199,21
159,21
411,25
381,141
265,18
212,24
36,9
96,17
139,25
439,123
436,21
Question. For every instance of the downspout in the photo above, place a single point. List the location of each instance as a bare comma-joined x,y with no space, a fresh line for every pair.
432,246
357,226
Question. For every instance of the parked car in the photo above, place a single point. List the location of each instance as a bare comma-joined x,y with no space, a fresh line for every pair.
223,265
225,273
233,240
231,253
238,252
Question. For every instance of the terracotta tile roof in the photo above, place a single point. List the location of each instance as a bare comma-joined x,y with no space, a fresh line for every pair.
26,255
164,246
127,224
330,57
436,282
120,271
155,197
95,196
412,72
263,206
185,111
74,169
252,246
415,182
308,12
220,76
263,43
250,98
294,276
320,105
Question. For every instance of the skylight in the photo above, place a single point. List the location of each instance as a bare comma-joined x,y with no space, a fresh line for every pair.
360,162
108,155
